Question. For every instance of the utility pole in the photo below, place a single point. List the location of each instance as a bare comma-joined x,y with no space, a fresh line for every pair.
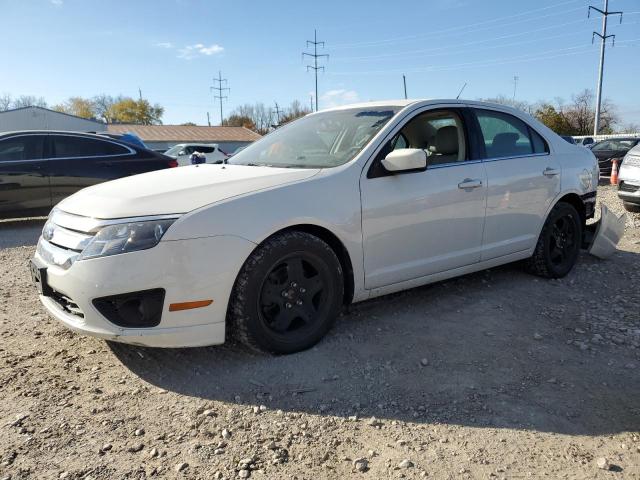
140,92
603,43
278,111
218,87
208,119
315,57
404,81
515,86
311,97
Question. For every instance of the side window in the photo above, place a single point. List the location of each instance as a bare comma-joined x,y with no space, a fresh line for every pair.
204,149
505,135
539,145
68,146
25,147
440,134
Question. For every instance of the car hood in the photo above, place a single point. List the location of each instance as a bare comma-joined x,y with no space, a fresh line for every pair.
176,190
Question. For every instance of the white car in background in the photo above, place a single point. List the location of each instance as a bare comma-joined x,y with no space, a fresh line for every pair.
182,153
629,180
340,206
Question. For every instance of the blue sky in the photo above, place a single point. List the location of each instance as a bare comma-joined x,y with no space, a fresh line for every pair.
172,49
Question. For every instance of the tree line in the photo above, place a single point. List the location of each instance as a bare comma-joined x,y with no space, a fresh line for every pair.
575,117
105,108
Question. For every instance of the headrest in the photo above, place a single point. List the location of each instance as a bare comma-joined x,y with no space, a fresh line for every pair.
447,140
504,142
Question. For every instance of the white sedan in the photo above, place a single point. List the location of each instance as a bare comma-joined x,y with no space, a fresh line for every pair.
183,151
340,206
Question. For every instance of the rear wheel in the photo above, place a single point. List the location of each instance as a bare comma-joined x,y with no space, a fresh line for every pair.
287,294
559,243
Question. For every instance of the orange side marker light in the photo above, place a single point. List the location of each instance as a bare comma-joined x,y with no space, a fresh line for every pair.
176,307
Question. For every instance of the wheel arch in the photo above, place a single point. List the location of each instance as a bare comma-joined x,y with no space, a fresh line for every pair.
334,243
576,202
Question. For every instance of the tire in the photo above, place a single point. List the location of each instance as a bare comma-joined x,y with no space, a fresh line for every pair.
287,294
631,207
559,243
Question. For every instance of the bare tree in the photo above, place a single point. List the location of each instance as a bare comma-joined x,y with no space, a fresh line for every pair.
5,102
28,101
259,115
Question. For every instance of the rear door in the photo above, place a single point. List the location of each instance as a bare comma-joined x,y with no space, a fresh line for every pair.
80,161
523,179
24,186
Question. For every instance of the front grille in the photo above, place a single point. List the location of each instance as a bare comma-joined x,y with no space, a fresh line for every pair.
627,187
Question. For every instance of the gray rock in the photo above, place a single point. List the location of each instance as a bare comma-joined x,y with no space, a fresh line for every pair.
226,434
602,463
181,466
244,473
361,464
406,463
424,362
139,432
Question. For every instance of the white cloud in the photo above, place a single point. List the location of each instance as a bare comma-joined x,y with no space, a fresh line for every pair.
199,49
57,3
341,96
164,45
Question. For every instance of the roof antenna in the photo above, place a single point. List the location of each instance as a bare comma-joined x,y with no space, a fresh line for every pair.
461,90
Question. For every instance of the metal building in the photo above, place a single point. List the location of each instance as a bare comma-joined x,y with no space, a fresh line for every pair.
39,118
163,137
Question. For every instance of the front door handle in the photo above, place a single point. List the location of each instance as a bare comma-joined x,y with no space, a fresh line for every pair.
469,183
551,172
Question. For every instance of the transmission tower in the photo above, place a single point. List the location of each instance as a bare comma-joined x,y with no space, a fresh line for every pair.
219,89
278,111
315,55
603,43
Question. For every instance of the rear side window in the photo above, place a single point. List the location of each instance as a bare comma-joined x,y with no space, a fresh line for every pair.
25,147
507,136
67,146
203,149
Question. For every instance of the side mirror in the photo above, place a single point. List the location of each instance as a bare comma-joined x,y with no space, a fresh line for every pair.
405,159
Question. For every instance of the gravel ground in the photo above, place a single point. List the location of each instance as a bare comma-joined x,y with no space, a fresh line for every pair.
494,375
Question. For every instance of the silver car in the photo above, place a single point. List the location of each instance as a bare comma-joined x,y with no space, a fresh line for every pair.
629,180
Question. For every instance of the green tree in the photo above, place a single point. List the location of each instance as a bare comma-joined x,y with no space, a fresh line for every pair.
554,119
128,110
235,120
78,106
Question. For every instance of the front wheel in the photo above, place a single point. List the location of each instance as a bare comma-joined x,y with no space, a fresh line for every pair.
287,294
559,243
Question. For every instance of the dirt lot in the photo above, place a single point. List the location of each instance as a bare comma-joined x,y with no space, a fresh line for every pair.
497,374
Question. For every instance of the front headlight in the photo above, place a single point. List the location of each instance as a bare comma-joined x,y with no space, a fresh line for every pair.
126,237
632,161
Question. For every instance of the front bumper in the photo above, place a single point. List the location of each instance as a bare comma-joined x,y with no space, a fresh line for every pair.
629,191
188,270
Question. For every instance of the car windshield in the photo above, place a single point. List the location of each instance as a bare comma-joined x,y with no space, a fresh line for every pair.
321,140
621,144
174,150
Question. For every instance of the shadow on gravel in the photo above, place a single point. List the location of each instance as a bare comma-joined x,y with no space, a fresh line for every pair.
485,350
20,232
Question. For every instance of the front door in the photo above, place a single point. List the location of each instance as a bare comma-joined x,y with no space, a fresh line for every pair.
419,223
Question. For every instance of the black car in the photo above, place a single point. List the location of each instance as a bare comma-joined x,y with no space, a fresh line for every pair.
40,168
606,150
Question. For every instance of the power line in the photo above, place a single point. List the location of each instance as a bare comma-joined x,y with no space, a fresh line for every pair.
315,55
603,44
218,87
465,28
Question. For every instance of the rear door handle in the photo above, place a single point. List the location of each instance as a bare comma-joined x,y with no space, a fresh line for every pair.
469,183
551,172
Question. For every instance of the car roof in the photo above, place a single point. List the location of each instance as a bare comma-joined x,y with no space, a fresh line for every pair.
48,132
423,102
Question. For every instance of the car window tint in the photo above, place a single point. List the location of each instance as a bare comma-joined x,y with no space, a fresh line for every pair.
539,145
504,135
67,146
26,147
203,149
